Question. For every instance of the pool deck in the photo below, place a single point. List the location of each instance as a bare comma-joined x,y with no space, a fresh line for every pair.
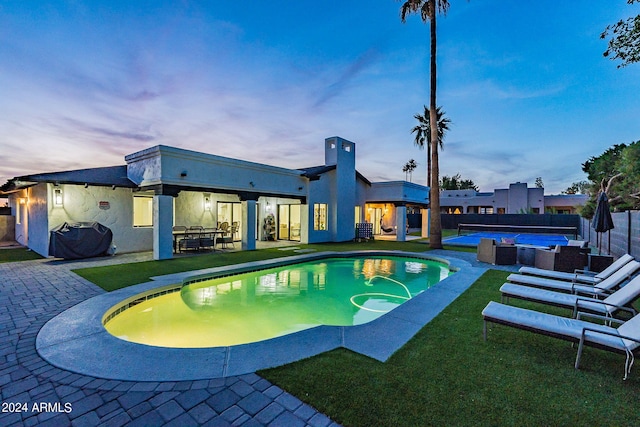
34,292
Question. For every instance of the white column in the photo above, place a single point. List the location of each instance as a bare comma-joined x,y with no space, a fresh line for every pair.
425,222
401,223
306,223
249,225
162,227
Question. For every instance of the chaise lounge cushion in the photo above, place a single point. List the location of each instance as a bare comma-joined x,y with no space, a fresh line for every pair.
563,327
577,277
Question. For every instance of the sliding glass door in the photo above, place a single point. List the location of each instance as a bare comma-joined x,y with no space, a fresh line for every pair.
289,222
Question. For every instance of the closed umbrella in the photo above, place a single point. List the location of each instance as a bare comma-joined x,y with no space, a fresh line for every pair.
602,221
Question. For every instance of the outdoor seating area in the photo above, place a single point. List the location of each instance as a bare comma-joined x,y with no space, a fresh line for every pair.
623,339
596,301
197,238
497,253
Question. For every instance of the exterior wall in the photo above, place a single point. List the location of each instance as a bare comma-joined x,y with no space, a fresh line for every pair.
501,200
174,166
514,200
189,208
320,191
567,203
341,153
535,200
83,205
518,198
7,228
37,219
398,191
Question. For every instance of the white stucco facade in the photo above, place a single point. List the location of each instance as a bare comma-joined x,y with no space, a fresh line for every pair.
516,199
188,188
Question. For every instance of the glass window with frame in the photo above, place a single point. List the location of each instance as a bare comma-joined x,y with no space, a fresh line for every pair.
142,211
320,216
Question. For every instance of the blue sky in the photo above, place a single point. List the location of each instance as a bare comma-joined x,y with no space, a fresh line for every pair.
83,83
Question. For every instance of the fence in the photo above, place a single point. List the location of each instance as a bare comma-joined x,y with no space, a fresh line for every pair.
624,238
451,221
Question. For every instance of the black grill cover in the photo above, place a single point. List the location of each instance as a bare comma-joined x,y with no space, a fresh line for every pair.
79,240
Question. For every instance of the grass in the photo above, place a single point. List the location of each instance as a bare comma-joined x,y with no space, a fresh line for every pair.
17,255
114,277
447,375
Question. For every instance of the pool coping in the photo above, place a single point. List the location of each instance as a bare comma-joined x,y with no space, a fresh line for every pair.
77,341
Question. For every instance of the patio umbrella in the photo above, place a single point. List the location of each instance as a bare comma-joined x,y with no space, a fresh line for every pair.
602,221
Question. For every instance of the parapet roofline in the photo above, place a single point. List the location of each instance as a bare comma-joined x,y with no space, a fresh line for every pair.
103,176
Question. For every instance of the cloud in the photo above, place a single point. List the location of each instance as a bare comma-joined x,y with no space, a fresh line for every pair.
364,61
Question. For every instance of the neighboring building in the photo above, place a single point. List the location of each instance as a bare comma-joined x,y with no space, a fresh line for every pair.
165,186
518,198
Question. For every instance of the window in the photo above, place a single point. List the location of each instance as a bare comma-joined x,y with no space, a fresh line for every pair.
142,211
320,216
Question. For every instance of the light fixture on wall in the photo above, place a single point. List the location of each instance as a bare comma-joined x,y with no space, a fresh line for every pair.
207,202
58,199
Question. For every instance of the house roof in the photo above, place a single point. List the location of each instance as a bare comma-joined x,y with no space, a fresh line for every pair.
104,176
314,172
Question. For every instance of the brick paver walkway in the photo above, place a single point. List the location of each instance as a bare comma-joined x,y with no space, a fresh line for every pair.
33,392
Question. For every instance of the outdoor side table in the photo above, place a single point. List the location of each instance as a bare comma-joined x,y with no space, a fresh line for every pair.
598,263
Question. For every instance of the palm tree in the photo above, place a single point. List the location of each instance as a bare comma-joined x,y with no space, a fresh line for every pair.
408,169
428,10
423,134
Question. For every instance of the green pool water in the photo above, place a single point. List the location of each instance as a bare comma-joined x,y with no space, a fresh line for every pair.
264,304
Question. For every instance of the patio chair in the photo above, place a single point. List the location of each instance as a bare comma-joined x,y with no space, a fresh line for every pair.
190,241
226,239
562,258
582,276
619,301
207,239
623,339
491,252
603,288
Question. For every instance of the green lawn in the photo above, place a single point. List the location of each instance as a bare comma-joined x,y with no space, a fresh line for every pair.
448,375
17,254
115,277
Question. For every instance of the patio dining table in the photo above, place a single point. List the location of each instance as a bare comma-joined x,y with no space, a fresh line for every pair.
207,232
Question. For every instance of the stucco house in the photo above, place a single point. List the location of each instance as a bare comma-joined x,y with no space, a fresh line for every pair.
516,199
164,186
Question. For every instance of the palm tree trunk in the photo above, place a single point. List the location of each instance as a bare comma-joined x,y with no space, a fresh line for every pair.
429,161
435,234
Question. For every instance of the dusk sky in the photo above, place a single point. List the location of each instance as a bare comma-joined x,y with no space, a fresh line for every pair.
84,83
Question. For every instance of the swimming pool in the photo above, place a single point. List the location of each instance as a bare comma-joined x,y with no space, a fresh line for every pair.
77,341
258,305
520,238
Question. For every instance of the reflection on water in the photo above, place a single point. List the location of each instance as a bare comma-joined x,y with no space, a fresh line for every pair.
263,304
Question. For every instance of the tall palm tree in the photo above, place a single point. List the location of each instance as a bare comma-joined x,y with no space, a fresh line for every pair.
428,10
408,169
423,134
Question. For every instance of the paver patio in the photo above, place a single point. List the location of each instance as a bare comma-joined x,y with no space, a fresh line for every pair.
34,392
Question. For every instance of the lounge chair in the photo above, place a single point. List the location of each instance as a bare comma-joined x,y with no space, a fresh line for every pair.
581,276
623,339
602,288
620,300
